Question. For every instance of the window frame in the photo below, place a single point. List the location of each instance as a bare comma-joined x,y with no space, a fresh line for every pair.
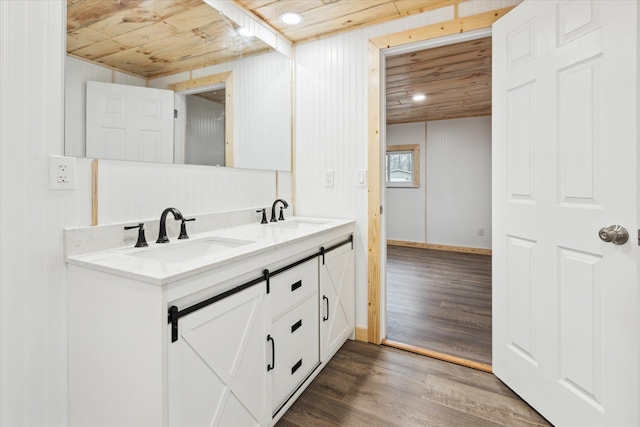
414,149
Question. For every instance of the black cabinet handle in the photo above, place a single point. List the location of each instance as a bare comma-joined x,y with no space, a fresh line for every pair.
296,325
273,353
324,297
296,285
295,367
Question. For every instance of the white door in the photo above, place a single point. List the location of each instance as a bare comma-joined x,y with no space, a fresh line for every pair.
337,300
218,366
565,325
129,122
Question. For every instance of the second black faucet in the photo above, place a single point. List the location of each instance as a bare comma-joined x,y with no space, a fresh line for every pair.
273,210
162,235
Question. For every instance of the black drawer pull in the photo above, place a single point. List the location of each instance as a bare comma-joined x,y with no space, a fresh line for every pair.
296,367
296,325
296,285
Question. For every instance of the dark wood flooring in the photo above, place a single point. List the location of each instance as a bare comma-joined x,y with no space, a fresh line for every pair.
370,385
440,301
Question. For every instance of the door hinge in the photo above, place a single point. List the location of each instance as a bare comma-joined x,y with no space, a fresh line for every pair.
380,210
639,237
175,114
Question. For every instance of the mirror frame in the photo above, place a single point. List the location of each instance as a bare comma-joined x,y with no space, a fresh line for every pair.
211,80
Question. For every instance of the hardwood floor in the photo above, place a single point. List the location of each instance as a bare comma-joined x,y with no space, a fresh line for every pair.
370,385
440,301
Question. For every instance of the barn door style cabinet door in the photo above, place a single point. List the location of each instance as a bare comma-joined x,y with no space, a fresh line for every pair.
337,299
218,367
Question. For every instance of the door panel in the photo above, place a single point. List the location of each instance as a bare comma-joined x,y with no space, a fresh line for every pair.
564,164
129,122
218,366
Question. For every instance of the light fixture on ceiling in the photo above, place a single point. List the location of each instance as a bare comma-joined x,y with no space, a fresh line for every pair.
291,18
419,97
244,32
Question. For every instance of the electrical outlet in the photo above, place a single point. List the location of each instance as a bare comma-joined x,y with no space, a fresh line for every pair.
328,178
480,231
62,173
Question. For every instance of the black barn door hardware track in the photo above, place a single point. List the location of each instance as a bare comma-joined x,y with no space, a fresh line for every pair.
175,314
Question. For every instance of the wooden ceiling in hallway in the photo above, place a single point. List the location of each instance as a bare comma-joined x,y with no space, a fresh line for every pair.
456,80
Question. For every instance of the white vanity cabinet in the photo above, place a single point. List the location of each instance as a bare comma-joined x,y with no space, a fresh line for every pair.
231,342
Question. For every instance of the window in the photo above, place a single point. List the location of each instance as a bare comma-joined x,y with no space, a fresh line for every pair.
402,166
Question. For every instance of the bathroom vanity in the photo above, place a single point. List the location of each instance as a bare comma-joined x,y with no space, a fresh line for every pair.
226,328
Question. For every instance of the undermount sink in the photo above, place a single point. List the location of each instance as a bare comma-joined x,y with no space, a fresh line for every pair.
293,224
184,251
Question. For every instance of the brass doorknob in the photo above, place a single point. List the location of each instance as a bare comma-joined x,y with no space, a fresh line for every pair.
615,234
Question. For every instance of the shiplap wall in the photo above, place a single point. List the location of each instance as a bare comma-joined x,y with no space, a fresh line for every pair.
33,369
455,200
77,73
459,170
261,108
331,124
135,191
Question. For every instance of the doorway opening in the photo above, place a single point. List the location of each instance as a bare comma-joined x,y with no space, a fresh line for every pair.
436,261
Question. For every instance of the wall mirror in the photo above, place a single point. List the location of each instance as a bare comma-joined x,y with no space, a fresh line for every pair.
163,45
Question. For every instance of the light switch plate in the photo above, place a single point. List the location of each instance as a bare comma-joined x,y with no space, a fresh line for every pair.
361,178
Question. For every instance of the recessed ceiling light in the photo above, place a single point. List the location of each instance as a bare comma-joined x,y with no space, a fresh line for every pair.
244,32
419,97
291,18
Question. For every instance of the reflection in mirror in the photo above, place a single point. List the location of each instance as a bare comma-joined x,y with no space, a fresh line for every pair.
148,53
204,142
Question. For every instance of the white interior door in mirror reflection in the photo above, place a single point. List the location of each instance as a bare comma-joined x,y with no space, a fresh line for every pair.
129,122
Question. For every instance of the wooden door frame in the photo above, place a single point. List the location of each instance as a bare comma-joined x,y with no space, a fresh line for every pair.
375,48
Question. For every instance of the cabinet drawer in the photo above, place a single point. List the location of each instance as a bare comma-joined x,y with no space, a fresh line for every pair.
297,348
292,286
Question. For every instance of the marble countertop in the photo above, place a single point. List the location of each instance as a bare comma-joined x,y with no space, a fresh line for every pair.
164,263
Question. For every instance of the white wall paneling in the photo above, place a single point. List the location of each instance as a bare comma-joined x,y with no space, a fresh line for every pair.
459,182
455,199
285,187
133,191
76,75
262,108
33,368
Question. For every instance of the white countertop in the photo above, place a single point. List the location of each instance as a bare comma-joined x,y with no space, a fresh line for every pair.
161,263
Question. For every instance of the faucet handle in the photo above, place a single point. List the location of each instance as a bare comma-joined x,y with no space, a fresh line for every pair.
142,242
183,228
281,217
264,215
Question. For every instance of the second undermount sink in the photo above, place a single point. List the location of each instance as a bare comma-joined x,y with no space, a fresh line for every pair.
185,251
297,223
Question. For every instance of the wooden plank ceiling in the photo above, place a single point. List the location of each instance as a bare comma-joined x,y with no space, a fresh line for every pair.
456,80
153,38
328,17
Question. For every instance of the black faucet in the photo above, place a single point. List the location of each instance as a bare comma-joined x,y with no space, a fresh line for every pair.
273,210
162,235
